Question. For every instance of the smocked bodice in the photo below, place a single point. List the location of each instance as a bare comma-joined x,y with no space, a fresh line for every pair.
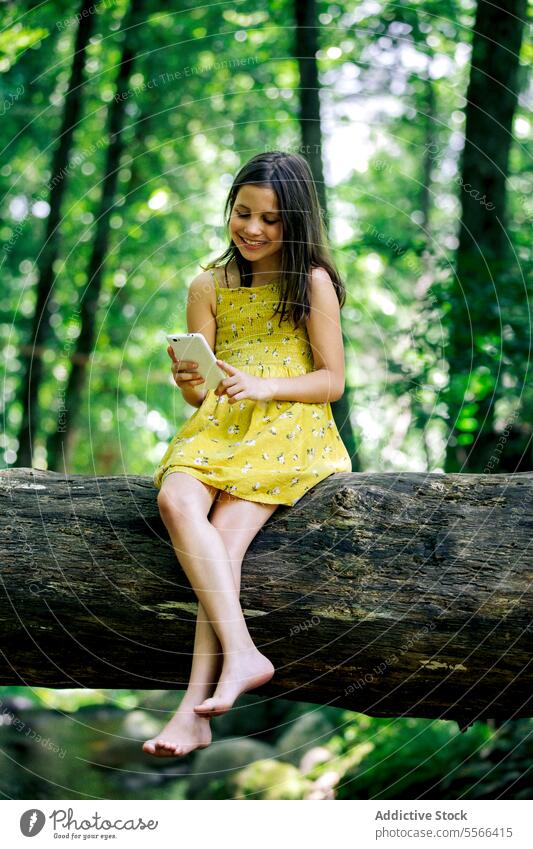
248,335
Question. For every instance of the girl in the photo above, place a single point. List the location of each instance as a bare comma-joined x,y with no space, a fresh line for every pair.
265,435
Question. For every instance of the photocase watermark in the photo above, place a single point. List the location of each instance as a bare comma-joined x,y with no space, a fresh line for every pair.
8,718
97,9
381,165
44,195
24,546
297,147
77,160
436,154
11,99
33,821
304,626
184,73
391,660
66,355
400,251
17,529
494,458
10,243
64,819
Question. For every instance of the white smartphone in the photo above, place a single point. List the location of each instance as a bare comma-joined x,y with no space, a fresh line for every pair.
193,347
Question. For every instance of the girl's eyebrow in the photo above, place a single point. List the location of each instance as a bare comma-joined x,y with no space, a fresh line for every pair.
267,212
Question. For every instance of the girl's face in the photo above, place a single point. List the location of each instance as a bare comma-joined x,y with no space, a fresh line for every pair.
255,222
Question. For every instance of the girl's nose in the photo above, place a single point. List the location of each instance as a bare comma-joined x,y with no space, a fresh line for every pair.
253,226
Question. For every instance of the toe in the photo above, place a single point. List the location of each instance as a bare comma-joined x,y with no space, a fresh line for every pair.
205,706
212,707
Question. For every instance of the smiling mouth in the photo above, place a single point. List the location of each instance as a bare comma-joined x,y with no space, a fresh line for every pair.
251,244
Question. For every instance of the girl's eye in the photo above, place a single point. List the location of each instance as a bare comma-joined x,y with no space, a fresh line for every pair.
246,214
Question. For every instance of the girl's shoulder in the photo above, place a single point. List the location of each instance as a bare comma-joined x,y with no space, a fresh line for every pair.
318,273
226,276
319,279
323,297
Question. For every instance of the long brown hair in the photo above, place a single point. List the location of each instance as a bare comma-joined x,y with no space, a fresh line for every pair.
305,244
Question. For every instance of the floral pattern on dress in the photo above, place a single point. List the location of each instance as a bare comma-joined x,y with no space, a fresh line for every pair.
268,451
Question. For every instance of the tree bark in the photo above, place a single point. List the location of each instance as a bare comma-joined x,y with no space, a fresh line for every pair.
41,329
61,443
389,594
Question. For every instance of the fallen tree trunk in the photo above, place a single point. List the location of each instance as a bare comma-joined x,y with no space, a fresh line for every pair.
390,594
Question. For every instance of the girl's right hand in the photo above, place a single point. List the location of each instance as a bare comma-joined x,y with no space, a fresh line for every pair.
183,371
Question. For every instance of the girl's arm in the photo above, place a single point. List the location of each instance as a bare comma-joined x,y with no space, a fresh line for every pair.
325,335
315,387
200,319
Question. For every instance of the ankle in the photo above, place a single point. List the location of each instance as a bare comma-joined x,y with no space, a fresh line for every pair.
190,700
240,647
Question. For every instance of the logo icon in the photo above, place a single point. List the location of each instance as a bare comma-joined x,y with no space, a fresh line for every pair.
32,822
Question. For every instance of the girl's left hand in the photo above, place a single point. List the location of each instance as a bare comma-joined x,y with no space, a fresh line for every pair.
241,385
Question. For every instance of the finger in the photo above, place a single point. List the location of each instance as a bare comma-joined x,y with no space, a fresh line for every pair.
227,367
233,390
183,365
172,355
227,383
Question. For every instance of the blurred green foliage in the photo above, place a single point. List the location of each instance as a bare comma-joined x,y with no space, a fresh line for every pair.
215,85
90,747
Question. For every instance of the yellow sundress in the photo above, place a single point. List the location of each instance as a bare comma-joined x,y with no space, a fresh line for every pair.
267,451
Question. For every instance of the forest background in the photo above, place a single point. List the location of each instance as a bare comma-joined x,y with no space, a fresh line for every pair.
123,125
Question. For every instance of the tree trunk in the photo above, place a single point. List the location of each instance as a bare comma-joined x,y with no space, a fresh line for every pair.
479,293
41,329
430,118
305,49
341,410
61,443
390,594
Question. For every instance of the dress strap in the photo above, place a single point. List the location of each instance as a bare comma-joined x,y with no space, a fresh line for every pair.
214,278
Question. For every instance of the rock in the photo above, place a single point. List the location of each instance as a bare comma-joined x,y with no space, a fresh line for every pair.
269,779
323,787
140,725
307,732
316,755
252,715
220,760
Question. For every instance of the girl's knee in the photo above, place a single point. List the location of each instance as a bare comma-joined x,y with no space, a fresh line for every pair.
182,491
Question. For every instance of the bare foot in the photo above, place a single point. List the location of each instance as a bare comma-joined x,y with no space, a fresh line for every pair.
182,734
240,673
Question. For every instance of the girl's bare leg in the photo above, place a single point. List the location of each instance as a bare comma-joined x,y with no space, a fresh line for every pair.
237,522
